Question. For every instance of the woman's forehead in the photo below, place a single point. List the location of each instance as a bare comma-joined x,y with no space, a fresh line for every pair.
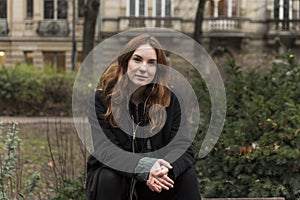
145,50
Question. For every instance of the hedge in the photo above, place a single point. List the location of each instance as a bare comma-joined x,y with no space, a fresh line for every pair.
27,90
258,152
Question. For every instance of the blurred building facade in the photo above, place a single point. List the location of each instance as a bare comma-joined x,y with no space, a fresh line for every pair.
39,32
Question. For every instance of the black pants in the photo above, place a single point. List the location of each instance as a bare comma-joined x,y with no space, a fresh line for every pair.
106,184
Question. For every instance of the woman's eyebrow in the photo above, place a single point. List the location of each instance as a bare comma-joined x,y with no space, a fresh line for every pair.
152,60
138,56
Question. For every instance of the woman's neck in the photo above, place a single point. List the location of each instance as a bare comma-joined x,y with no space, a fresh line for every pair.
137,95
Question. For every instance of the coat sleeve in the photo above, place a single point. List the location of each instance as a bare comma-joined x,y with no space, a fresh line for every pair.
181,148
107,147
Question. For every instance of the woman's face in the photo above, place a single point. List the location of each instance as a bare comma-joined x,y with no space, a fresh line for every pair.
141,67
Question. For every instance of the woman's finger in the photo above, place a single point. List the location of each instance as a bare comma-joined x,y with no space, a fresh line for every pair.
166,182
164,163
157,174
168,179
152,184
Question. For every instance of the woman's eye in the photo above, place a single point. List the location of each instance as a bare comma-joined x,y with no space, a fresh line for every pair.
137,59
152,64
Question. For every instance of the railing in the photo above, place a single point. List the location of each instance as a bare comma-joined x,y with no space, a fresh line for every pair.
223,23
124,22
53,28
210,24
136,22
3,27
284,26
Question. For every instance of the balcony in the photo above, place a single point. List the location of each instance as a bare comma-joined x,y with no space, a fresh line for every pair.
283,26
224,26
137,22
229,24
53,28
123,23
3,27
287,30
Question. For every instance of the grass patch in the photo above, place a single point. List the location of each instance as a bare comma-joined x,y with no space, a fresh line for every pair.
53,150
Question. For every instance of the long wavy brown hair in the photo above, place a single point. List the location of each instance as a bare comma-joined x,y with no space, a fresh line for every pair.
114,82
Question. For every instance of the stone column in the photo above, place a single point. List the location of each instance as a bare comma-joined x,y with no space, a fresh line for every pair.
17,55
216,8
38,8
38,60
17,18
229,8
68,61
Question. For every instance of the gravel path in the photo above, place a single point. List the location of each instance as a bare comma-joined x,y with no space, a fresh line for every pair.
29,120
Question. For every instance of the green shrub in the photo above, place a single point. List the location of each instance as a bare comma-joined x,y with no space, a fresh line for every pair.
58,94
71,189
258,152
68,163
27,90
11,184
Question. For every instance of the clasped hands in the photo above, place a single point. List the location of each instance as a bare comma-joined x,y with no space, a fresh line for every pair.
158,176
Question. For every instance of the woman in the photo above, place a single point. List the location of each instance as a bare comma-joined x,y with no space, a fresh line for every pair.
135,84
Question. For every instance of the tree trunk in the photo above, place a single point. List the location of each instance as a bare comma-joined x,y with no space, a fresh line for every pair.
198,21
90,19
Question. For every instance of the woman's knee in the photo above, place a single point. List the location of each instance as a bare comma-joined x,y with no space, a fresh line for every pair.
104,184
187,186
187,176
110,178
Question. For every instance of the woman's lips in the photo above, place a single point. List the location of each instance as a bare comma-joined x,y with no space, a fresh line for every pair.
142,77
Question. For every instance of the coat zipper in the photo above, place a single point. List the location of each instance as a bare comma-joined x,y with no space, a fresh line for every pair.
134,129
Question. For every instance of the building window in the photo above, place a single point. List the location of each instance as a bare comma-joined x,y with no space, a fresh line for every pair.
283,9
48,9
29,9
55,9
28,57
136,8
168,8
55,61
2,58
158,9
142,8
162,8
3,9
80,9
234,9
224,8
62,9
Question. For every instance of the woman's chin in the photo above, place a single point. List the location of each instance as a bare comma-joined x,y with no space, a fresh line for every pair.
140,83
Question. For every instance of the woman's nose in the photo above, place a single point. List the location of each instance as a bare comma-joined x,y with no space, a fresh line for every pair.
143,67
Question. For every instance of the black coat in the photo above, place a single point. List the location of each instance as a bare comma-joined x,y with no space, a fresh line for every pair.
113,155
